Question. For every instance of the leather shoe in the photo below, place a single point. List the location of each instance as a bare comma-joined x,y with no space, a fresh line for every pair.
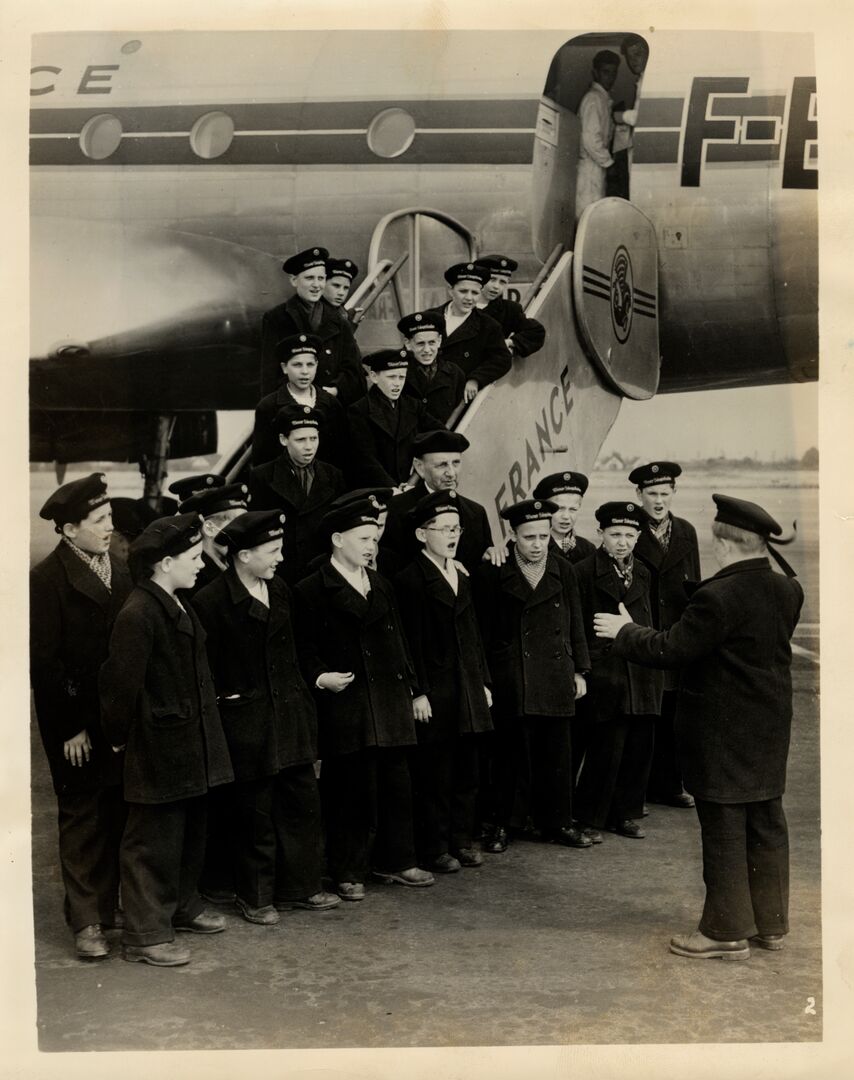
683,800
569,836
469,856
319,901
91,943
495,840
628,828
446,864
412,876
165,954
206,922
699,947
350,890
263,916
772,942
593,835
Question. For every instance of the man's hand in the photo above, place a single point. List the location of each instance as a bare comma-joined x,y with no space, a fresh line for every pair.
336,681
76,750
580,686
333,390
470,391
497,554
488,693
421,709
608,626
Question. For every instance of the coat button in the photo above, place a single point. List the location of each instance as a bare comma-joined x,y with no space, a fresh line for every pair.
399,675
390,626
275,693
465,355
557,603
367,652
526,654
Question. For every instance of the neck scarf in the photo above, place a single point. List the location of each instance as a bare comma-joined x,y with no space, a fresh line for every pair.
98,564
532,571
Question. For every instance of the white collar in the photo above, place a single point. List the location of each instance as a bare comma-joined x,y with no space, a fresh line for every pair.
357,579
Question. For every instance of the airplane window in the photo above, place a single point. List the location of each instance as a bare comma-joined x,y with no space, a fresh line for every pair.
390,133
212,134
100,136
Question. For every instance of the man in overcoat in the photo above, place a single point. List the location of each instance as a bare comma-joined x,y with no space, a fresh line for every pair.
668,548
75,595
353,653
522,335
733,726
270,723
431,379
452,698
533,632
158,701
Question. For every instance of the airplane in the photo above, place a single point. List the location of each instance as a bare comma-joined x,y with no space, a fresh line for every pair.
172,172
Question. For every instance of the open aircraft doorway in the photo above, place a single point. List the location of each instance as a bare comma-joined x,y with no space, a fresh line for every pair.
558,133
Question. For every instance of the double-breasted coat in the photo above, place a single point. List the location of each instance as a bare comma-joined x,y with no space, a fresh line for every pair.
477,346
583,550
381,437
734,714
440,394
158,700
268,713
275,486
616,687
340,361
265,440
71,616
446,648
534,639
476,536
528,335
340,630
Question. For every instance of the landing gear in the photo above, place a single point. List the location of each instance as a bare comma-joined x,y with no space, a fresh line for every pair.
153,466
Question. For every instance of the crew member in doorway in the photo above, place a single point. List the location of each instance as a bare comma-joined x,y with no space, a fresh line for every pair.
733,726
566,490
217,506
473,340
635,52
597,131
436,382
522,335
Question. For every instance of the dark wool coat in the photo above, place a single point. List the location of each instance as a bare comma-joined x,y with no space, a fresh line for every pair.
534,639
734,714
477,346
339,363
616,687
528,335
476,537
583,550
439,395
265,441
447,651
71,616
157,698
267,711
340,630
274,486
381,437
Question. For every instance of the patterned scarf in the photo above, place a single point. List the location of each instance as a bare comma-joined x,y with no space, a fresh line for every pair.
532,571
661,532
565,543
98,564
625,573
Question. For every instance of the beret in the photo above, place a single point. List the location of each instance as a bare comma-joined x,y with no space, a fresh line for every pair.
189,485
610,514
341,268
432,505
76,500
292,417
656,472
350,516
413,324
387,360
439,441
130,516
467,272
216,500
498,264
305,260
380,496
561,483
529,510
296,345
252,529
166,536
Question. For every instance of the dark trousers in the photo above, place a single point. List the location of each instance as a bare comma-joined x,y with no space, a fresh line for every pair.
539,746
218,872
444,784
745,868
90,831
613,779
665,776
161,858
367,810
617,175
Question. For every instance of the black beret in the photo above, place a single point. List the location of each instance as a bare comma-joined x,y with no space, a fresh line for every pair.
341,268
305,260
252,529
130,516
432,505
380,496
76,500
439,442
292,417
350,516
296,345
529,510
470,271
620,513
657,472
189,485
413,324
498,264
387,360
561,483
166,536
217,500
745,515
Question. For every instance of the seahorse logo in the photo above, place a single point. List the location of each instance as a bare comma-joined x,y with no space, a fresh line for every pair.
621,294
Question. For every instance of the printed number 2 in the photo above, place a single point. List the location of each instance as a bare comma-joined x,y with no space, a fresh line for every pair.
810,1009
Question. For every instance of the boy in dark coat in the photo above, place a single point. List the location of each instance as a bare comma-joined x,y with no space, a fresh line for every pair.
299,484
668,548
75,595
298,358
733,726
158,701
530,619
217,506
522,335
352,651
566,490
451,699
430,378
622,698
385,423
340,275
270,723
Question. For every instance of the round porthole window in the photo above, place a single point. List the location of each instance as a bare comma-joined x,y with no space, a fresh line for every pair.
390,133
212,134
100,136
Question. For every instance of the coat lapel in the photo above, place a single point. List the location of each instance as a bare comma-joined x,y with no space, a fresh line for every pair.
381,415
284,483
81,578
342,596
435,584
606,578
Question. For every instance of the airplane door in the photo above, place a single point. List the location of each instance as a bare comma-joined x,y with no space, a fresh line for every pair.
553,177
